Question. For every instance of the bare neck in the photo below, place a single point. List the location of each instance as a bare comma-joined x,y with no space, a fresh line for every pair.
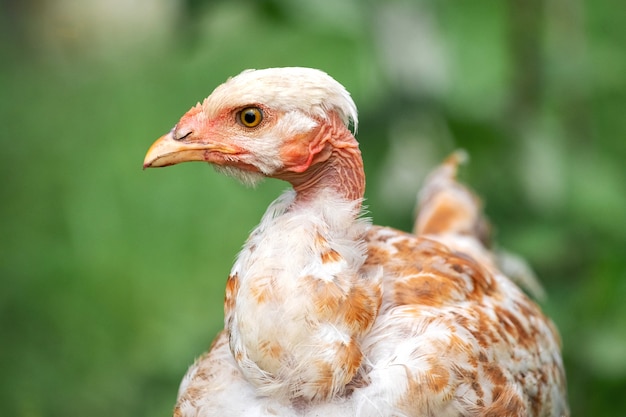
337,168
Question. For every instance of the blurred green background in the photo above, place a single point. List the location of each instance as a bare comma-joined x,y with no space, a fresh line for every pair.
113,278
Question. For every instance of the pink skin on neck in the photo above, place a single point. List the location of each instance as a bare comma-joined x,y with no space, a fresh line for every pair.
329,160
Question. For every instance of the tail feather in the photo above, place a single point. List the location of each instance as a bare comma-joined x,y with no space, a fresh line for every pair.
516,268
447,206
451,212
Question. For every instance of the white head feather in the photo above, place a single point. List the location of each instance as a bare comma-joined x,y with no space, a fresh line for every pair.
311,91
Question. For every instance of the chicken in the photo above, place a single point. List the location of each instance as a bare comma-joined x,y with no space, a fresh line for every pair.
329,315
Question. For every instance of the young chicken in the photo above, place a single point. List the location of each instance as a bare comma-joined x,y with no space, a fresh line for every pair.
329,315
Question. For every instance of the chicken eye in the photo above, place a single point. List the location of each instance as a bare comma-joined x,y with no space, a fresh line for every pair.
250,116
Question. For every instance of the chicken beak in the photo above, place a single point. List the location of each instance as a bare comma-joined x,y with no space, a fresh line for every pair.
168,151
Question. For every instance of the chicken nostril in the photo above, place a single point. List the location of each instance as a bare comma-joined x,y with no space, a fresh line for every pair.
181,135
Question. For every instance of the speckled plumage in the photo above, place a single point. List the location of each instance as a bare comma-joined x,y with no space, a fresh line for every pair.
329,315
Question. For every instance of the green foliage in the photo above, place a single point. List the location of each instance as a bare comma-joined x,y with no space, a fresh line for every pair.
113,278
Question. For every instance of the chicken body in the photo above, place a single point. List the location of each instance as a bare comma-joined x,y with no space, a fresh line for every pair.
329,315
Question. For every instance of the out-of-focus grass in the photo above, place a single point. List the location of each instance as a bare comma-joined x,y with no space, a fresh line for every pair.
97,275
